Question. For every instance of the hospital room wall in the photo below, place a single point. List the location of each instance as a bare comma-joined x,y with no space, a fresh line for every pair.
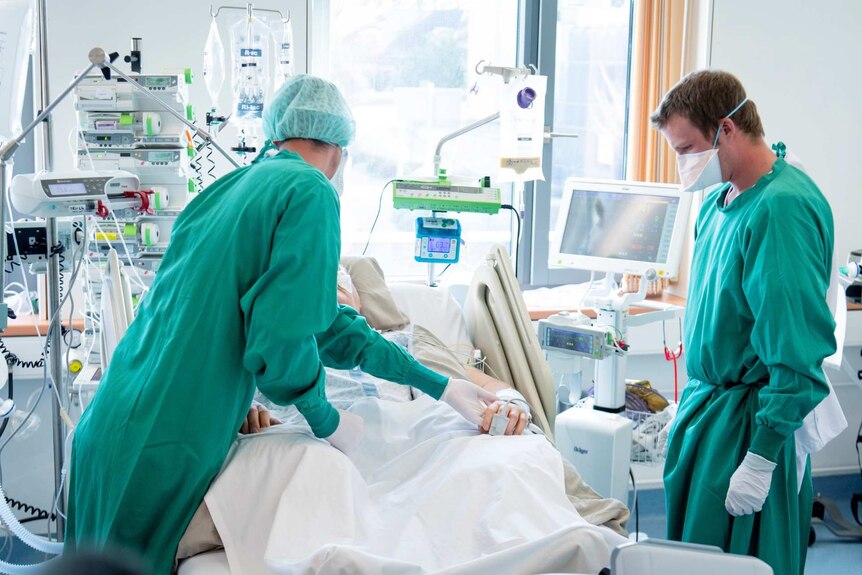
174,34
799,62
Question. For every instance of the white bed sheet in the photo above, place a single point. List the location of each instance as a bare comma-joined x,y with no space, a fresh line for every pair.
423,494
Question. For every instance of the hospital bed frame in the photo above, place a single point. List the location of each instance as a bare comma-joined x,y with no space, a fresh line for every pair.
499,325
649,557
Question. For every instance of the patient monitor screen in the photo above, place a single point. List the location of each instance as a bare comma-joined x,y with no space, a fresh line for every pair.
625,226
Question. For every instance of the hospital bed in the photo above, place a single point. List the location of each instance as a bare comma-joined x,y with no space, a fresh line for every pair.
495,320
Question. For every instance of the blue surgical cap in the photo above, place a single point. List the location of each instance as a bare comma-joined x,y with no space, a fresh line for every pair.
309,107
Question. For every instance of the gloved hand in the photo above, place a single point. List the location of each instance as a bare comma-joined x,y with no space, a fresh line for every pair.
348,435
468,399
749,485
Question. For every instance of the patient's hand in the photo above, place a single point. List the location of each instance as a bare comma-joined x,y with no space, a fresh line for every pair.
517,418
350,298
258,418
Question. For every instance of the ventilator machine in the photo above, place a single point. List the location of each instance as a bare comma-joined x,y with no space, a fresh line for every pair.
610,227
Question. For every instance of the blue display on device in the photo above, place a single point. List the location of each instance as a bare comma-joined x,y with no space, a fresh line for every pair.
438,240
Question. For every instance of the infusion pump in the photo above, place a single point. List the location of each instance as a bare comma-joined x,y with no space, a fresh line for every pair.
59,194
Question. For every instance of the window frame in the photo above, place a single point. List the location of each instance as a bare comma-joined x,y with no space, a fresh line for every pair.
539,48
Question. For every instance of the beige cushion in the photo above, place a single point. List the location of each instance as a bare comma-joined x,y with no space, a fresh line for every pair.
433,354
378,307
201,534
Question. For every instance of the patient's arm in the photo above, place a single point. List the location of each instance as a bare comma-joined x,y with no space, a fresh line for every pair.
482,379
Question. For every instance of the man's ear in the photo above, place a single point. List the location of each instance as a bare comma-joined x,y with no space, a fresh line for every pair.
728,127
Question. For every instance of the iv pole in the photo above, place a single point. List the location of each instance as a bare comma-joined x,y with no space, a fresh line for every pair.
507,74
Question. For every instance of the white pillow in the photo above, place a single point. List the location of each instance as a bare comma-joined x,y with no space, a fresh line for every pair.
434,309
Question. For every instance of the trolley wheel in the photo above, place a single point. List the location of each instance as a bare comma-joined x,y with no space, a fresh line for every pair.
818,510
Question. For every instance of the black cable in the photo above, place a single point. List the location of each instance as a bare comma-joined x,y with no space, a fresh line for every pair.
379,205
37,512
858,443
62,280
15,360
518,234
11,396
12,264
637,512
442,272
196,163
211,162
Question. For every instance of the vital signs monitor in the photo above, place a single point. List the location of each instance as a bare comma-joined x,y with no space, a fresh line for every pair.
621,227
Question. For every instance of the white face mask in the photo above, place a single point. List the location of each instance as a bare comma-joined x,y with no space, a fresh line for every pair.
338,177
699,171
702,170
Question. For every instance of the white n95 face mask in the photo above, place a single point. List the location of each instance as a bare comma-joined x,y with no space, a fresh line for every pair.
702,170
338,177
699,171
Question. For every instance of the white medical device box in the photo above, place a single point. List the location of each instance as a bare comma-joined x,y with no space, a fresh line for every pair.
100,130
57,194
154,167
579,340
101,95
599,445
445,197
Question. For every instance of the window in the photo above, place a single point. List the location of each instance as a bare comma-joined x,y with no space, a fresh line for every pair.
591,92
589,53
407,71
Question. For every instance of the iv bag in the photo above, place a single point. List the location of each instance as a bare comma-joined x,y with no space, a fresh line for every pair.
250,49
214,66
285,54
522,129
16,44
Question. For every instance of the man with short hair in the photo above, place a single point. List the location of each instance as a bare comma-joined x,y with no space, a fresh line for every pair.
757,329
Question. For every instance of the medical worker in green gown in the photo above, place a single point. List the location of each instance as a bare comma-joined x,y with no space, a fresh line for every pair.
757,328
245,298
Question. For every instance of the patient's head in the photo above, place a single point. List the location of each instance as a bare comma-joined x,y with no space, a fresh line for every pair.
347,294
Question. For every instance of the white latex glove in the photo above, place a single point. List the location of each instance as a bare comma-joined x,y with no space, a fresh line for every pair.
749,485
468,399
348,435
663,435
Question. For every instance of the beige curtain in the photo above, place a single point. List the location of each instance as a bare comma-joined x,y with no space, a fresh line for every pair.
657,64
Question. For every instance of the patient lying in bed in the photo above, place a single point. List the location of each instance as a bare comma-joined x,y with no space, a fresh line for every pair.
423,493
344,387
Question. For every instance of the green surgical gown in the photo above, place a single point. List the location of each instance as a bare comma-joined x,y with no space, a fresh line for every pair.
757,329
245,298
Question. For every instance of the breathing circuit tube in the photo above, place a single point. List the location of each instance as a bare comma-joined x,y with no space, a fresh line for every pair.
32,540
33,568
